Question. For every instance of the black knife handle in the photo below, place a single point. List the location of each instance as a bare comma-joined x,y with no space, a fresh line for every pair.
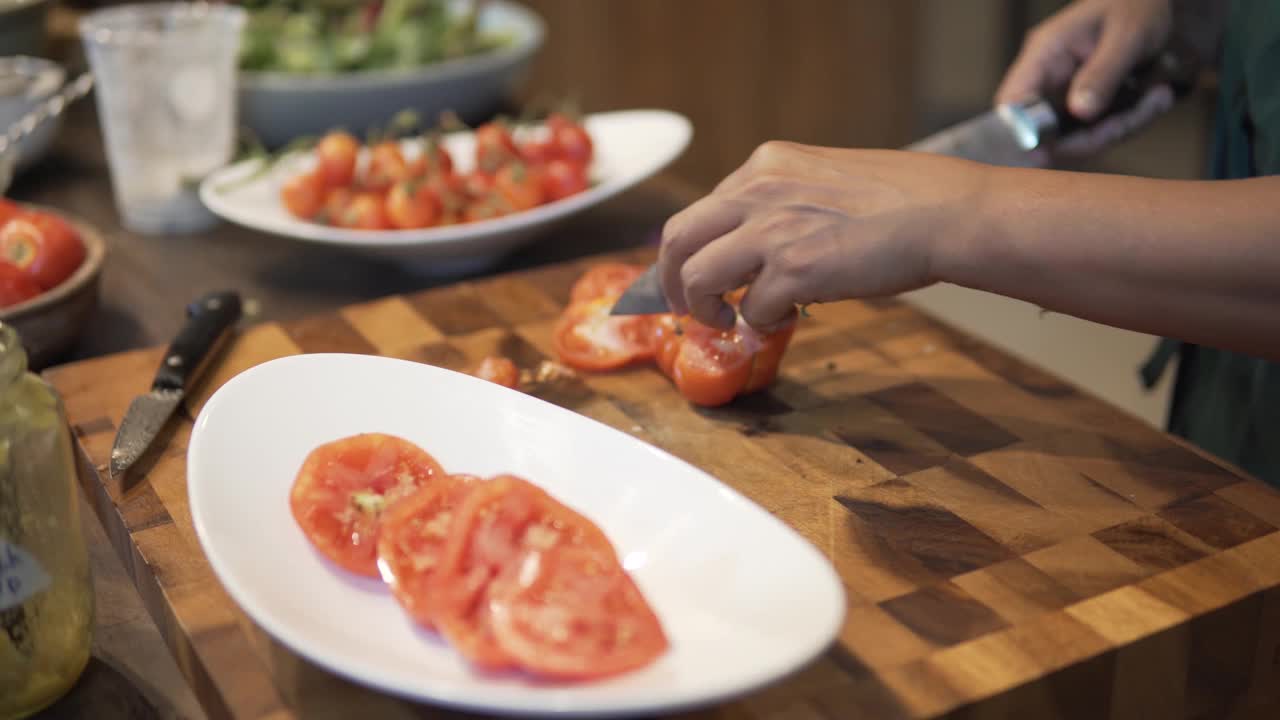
1177,66
208,320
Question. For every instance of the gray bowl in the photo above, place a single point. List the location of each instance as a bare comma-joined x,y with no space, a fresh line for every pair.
24,83
279,107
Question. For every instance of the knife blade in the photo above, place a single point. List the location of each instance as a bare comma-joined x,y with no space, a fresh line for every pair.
1006,135
643,297
208,325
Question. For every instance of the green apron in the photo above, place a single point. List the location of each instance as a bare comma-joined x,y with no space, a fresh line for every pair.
1227,403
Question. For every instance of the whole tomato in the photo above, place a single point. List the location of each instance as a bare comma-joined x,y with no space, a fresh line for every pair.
15,286
561,178
303,195
366,211
412,204
336,158
8,210
494,147
46,248
570,139
387,167
520,185
433,160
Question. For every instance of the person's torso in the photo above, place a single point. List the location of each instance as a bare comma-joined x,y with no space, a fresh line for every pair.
1226,402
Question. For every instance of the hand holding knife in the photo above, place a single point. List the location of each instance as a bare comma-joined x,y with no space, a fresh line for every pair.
1006,136
209,322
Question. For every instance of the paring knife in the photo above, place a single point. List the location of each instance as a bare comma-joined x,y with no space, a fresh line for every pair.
1003,136
209,322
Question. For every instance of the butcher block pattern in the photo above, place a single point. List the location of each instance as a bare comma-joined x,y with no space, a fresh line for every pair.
1011,546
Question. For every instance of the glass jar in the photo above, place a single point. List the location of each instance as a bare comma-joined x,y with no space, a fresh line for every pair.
46,593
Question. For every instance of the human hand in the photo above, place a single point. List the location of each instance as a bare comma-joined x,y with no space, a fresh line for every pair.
1090,46
804,224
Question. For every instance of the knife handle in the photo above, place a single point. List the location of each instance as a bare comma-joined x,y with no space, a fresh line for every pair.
208,320
1178,66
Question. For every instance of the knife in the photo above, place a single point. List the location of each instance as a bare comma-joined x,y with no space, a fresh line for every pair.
1005,135
209,321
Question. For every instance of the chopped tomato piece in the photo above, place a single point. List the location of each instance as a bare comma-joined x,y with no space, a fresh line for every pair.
344,487
498,370
711,367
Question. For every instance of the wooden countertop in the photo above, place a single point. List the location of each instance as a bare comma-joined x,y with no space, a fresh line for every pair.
1008,543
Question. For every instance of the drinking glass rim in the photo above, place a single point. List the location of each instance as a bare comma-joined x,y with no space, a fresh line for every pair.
102,26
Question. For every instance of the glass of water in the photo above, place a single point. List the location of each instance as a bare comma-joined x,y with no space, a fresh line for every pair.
165,83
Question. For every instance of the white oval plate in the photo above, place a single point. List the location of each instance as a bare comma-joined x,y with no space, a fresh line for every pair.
630,146
743,597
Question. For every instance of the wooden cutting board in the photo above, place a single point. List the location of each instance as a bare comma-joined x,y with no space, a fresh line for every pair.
1011,546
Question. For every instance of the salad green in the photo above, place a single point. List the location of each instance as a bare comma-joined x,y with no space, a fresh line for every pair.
333,36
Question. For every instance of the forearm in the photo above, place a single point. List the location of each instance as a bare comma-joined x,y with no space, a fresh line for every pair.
1197,261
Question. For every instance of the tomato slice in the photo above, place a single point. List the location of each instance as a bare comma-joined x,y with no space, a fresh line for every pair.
709,366
413,538
496,523
500,370
588,338
344,487
573,613
604,279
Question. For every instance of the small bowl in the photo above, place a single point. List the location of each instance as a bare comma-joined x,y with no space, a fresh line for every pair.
50,323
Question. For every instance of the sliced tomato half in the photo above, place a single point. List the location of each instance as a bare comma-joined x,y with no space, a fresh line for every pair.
588,338
605,279
710,367
344,487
